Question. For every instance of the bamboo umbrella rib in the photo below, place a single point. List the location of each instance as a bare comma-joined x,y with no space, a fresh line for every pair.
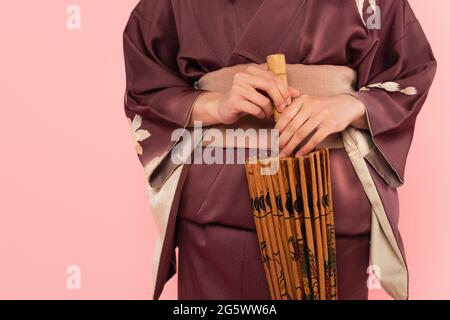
258,216
274,261
291,240
278,232
317,229
311,254
297,205
332,235
330,240
323,224
279,275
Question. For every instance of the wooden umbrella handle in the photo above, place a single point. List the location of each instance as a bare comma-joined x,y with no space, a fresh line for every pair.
277,64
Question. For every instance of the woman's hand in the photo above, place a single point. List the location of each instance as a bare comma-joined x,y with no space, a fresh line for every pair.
316,118
245,97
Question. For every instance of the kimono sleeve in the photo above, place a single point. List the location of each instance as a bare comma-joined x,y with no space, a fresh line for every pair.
394,80
158,99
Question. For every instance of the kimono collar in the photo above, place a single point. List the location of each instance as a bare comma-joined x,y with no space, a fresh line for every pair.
263,35
267,30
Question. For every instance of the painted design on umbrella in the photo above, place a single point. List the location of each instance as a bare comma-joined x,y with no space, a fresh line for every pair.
294,221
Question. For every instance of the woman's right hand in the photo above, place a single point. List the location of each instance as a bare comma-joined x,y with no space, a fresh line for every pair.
254,91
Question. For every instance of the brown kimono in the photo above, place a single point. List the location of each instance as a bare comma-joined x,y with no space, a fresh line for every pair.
170,44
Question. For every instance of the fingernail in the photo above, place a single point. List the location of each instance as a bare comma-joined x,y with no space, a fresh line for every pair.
282,106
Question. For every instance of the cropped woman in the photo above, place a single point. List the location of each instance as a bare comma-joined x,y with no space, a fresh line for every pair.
205,209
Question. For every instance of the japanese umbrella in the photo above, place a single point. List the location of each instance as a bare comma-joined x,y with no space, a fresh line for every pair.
293,213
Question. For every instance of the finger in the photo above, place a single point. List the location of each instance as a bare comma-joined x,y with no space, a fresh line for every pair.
293,92
291,111
260,71
284,90
314,141
296,123
272,84
301,134
252,109
288,114
258,99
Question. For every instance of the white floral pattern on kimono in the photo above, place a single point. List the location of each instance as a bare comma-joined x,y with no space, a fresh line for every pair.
137,133
391,86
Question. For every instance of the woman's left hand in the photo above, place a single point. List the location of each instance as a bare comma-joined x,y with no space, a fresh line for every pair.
319,116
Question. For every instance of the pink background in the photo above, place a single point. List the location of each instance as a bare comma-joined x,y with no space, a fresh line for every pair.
74,193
